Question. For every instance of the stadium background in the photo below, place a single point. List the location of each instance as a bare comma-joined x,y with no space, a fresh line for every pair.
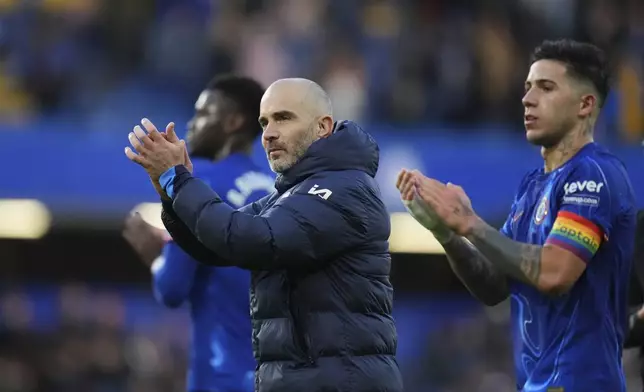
438,82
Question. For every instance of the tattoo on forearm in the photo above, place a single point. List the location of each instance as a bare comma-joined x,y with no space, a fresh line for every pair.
481,278
519,260
531,261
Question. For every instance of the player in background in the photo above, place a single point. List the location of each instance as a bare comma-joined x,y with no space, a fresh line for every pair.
635,335
564,253
220,138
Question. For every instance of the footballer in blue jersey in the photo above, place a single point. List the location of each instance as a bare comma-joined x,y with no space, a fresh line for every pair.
586,206
564,253
220,137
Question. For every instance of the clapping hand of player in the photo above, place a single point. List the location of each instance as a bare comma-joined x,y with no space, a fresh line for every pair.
157,152
441,208
146,240
417,208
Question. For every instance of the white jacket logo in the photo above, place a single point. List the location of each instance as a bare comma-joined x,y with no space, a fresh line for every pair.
581,186
323,193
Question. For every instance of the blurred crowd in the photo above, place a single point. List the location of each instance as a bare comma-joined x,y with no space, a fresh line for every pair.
394,61
81,338
89,348
86,340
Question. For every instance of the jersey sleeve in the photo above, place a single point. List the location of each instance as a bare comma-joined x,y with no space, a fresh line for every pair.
173,275
506,229
584,212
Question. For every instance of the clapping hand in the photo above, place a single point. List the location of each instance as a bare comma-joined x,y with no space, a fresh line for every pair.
418,209
436,205
146,240
157,152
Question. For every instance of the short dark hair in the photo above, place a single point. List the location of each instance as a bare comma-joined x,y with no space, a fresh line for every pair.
583,61
245,92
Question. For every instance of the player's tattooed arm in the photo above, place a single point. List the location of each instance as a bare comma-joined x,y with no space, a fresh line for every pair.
454,209
483,280
550,268
519,260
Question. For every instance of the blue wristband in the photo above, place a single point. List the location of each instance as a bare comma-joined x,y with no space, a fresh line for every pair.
167,181
172,179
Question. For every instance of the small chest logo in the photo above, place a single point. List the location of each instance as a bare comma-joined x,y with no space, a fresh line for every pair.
542,211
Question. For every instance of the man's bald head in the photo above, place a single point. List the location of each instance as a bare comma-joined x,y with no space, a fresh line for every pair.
303,92
294,113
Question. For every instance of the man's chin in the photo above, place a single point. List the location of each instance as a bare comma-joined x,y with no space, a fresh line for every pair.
190,137
542,139
532,137
276,167
535,137
279,166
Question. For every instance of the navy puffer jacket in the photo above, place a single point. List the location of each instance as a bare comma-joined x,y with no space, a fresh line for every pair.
321,300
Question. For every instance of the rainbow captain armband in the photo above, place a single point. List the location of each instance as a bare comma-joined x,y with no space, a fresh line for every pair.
576,234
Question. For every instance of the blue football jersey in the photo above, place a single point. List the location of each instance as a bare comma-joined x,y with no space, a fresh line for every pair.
573,342
221,357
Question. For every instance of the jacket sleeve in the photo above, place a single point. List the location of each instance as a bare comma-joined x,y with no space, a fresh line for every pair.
188,242
302,230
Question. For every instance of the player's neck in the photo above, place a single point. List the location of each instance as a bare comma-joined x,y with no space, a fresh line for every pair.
554,157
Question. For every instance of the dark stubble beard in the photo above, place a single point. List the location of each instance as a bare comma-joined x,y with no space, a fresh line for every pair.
299,148
553,139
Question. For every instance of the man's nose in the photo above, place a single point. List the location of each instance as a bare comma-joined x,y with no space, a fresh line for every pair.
529,100
270,133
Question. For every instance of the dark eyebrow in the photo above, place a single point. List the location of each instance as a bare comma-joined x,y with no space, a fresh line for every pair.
540,82
279,114
284,113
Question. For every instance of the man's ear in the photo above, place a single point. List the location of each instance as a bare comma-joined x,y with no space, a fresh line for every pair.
587,105
325,127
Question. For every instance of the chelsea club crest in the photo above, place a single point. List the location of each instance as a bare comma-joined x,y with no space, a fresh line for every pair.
542,211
